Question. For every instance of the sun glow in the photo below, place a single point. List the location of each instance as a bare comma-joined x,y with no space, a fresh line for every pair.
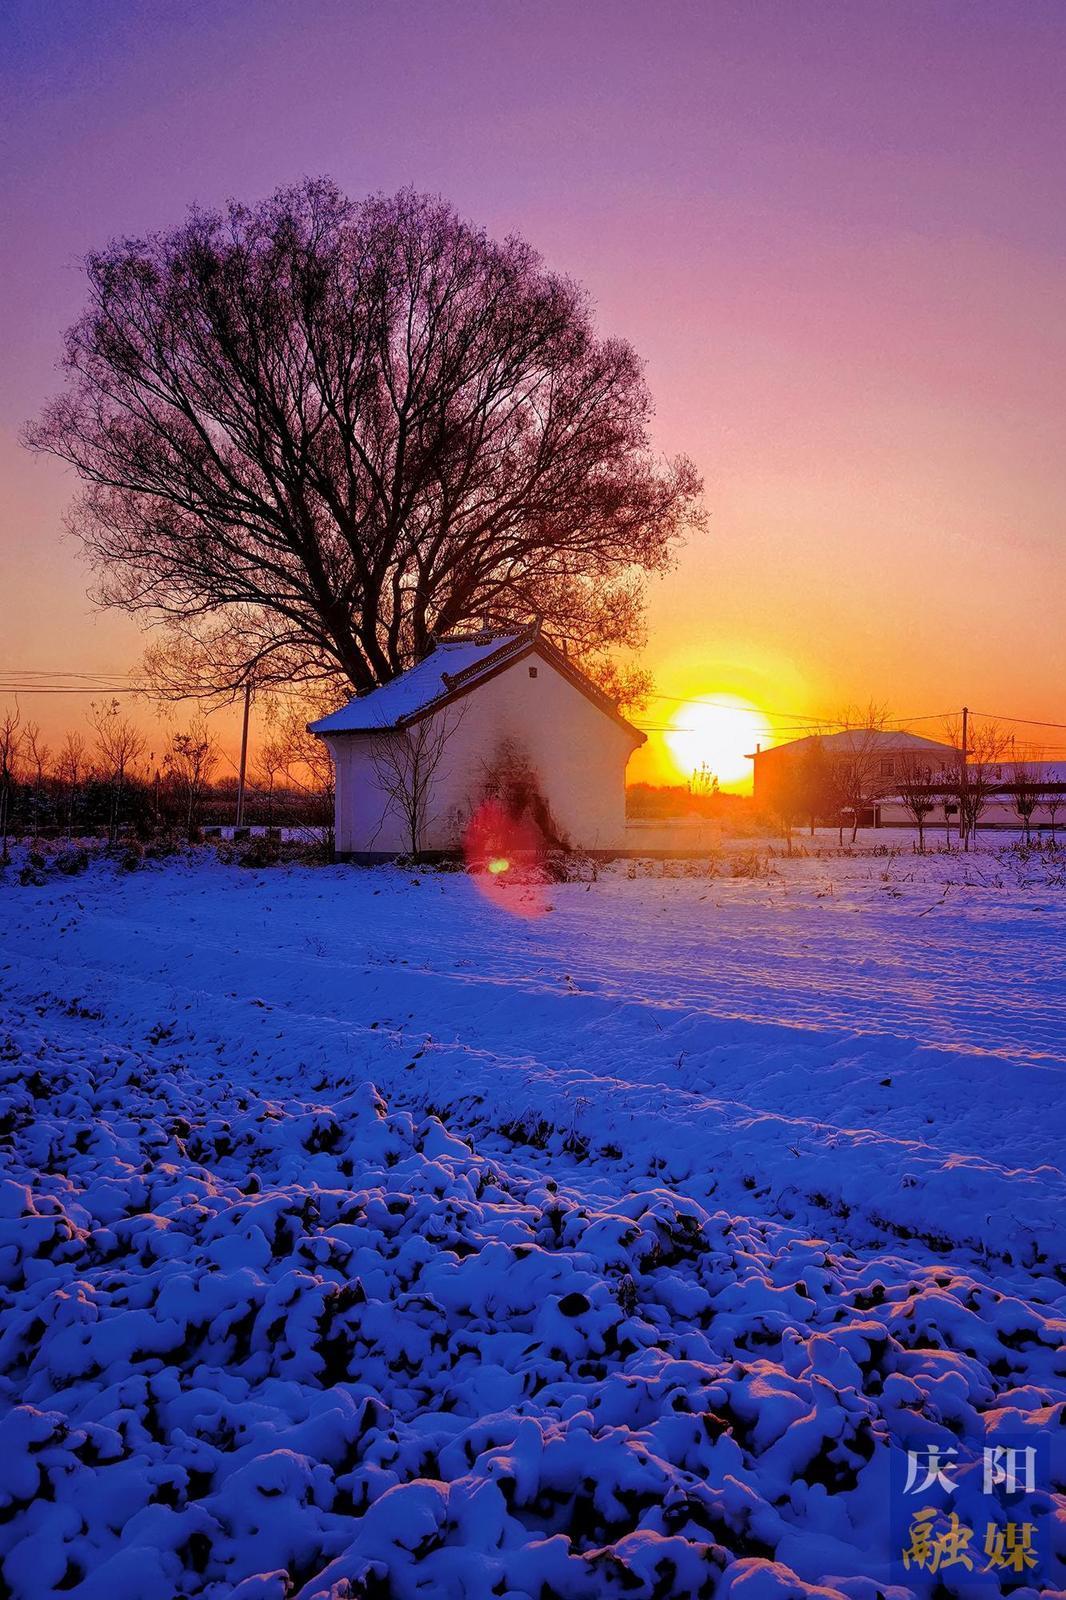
717,732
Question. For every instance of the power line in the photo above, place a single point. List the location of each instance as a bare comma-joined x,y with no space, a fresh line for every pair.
103,688
798,719
1030,722
57,672
45,681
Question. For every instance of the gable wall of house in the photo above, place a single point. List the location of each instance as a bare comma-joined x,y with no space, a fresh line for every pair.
579,753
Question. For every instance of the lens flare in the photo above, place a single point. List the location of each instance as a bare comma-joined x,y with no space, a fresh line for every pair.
504,855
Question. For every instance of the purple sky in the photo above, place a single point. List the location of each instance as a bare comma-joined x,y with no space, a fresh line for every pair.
835,232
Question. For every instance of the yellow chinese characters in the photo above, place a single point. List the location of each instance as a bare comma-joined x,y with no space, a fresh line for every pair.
1010,1548
932,1548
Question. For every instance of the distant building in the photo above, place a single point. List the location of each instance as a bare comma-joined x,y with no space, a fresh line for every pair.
1046,778
882,752
504,716
885,757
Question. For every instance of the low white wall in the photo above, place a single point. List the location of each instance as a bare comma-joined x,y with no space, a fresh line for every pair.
681,835
579,753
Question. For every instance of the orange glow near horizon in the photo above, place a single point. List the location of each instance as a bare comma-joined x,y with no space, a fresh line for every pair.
716,733
710,707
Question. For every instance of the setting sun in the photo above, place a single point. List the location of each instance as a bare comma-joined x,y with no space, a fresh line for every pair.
718,733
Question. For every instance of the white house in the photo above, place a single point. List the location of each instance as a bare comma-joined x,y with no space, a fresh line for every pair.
487,716
1045,782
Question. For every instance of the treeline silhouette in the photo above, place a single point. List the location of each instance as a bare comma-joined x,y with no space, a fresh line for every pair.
109,781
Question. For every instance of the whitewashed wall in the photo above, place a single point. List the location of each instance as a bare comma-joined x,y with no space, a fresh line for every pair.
579,753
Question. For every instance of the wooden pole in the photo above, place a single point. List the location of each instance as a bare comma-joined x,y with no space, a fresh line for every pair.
964,826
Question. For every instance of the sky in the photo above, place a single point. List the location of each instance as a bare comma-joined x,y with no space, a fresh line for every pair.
834,232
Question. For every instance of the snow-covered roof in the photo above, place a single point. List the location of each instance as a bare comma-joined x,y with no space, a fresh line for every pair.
417,688
453,667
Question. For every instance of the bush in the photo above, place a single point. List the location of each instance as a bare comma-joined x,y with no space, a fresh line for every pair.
163,845
750,864
131,856
72,860
258,853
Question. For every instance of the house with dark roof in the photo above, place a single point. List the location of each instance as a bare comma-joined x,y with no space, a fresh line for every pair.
877,756
488,722
884,749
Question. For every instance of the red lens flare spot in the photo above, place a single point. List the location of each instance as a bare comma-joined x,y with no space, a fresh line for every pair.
503,856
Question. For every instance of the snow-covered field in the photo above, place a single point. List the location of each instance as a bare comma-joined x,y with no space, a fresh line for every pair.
359,1236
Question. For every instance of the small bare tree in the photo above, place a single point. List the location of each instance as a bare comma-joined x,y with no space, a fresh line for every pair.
1027,791
916,784
979,772
816,782
856,769
304,758
10,744
406,762
1054,798
39,757
70,768
790,799
268,764
119,746
189,763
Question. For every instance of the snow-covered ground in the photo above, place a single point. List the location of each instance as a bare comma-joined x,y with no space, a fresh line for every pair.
364,1235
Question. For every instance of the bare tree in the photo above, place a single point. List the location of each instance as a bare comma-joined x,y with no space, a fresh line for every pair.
816,782
979,772
790,800
189,763
316,432
119,746
70,767
1054,798
10,743
39,757
270,761
304,758
1027,791
406,762
917,785
857,762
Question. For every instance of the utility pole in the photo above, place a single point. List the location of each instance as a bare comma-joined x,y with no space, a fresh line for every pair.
964,786
244,755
